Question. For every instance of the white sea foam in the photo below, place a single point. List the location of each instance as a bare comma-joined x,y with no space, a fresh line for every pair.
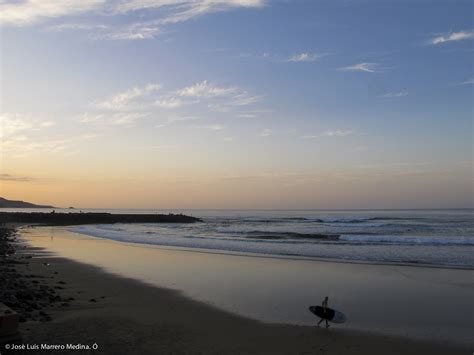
439,240
405,239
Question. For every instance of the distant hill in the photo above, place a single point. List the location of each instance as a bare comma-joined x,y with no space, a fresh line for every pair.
4,203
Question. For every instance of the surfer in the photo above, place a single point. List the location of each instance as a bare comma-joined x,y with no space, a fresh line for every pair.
325,306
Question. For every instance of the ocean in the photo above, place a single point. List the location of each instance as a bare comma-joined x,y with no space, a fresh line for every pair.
356,258
443,238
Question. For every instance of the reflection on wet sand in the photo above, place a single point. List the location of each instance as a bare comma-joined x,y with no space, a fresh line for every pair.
392,299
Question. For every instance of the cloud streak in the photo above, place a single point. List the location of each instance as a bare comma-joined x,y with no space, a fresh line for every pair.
23,135
362,67
467,82
170,103
183,10
452,37
127,98
330,133
205,89
14,123
337,133
304,57
22,13
394,94
191,102
161,12
9,177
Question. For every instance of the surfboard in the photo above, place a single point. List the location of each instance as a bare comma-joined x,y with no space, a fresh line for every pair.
330,314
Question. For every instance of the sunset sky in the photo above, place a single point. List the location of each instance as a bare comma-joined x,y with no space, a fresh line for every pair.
237,103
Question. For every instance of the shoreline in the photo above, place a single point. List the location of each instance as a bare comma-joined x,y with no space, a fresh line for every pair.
276,256
139,318
278,290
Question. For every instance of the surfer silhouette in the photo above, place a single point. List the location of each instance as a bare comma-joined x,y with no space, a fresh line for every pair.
325,306
327,314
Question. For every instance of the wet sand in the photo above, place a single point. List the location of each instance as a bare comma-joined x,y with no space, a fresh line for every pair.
125,316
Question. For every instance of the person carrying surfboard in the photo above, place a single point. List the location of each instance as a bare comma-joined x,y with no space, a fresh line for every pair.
325,306
327,314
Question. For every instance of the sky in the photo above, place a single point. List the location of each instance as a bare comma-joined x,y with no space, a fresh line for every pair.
237,104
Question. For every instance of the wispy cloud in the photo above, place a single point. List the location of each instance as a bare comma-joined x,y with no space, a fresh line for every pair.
467,82
284,58
244,99
77,26
135,31
211,127
394,94
205,89
9,177
175,119
191,102
264,55
124,99
184,10
19,147
337,133
31,11
14,123
178,118
126,119
215,127
329,133
90,135
173,12
363,67
305,57
159,13
22,135
266,132
112,119
452,37
229,96
90,118
170,103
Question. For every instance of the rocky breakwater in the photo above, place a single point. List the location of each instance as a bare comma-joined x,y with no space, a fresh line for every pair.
62,219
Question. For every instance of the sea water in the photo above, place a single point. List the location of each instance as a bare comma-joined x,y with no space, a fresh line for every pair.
430,237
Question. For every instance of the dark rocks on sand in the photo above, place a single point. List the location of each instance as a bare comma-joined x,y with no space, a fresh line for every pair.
22,293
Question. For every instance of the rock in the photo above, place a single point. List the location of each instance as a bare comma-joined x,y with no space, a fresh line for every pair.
24,295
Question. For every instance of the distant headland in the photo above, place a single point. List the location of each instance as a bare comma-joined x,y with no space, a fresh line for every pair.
4,203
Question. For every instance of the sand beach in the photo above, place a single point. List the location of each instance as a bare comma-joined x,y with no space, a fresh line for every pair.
120,314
